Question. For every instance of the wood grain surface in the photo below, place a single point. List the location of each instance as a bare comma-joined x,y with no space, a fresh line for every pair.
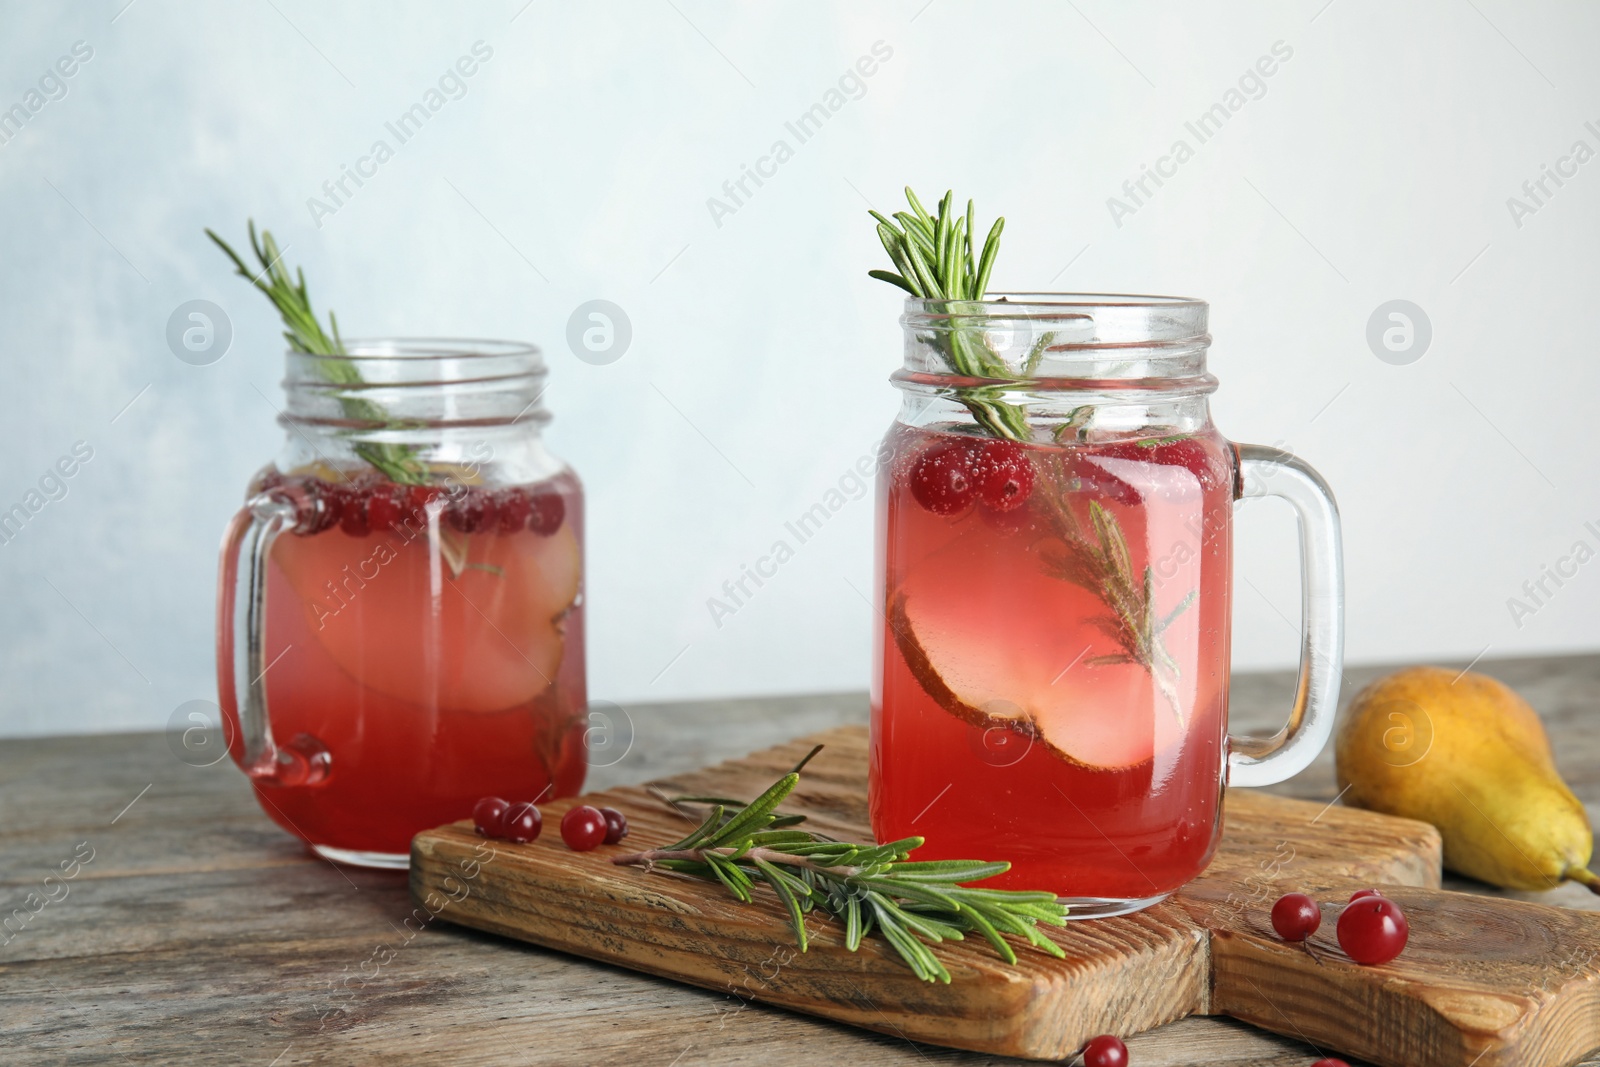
1483,982
200,933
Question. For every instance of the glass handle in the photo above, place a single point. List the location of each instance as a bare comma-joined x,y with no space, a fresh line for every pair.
1263,761
242,660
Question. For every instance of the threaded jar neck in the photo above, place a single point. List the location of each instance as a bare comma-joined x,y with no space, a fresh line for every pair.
416,383
1058,341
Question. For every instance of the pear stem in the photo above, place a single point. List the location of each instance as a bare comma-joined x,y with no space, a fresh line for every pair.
1586,877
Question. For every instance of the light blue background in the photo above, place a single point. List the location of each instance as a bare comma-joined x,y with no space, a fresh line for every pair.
578,165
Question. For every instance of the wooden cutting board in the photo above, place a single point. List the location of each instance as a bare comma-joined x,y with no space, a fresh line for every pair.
1484,982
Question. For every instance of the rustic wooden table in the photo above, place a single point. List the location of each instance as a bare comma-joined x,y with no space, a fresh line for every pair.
200,933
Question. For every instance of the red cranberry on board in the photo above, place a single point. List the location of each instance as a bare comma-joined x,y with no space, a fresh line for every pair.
1372,929
616,825
1107,1050
489,816
523,823
1296,916
583,828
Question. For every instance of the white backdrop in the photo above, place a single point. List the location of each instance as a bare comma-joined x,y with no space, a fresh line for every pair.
1378,161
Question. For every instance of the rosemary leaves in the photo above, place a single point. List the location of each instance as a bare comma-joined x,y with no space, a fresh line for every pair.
871,889
305,334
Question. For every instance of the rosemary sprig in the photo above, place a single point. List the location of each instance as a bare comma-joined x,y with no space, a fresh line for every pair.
870,888
937,261
1101,564
935,252
305,334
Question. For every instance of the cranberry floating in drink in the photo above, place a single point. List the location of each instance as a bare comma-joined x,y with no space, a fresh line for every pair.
400,612
1055,521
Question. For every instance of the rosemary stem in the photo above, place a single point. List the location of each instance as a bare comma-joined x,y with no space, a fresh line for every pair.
398,462
648,858
872,889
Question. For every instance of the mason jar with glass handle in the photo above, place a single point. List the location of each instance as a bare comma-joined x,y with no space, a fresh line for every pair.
400,606
1054,575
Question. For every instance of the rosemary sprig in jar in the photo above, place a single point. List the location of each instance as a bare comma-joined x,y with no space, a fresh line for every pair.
305,334
936,258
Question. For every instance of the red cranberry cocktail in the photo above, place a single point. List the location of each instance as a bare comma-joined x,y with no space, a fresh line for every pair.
401,618
1054,565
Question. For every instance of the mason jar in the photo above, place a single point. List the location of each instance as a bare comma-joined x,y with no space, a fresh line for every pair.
1054,573
400,607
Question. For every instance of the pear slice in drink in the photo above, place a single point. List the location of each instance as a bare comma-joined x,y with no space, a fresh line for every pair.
1038,685
403,623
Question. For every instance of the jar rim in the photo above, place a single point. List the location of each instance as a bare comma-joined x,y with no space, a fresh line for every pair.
1027,298
1121,316
1059,341
379,383
1078,320
392,348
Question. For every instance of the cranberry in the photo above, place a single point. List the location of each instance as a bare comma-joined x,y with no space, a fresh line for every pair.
489,816
547,512
944,479
1329,1061
583,828
489,501
1359,893
1190,452
1090,476
386,506
523,822
512,508
616,825
474,509
418,497
1296,917
353,510
1105,1051
1004,474
1196,454
1372,929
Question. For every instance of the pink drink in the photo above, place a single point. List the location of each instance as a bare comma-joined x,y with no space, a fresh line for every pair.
427,643
1054,656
